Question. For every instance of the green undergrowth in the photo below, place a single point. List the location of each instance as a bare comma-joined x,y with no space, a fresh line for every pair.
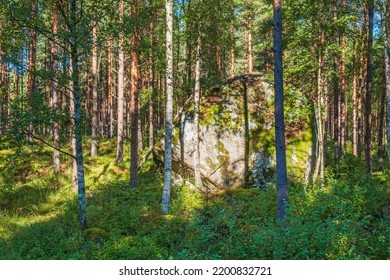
348,218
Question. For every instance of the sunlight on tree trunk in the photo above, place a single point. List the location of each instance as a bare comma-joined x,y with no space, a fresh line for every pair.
94,90
169,113
54,90
121,89
198,178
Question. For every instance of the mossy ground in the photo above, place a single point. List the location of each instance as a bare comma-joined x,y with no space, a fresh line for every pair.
39,218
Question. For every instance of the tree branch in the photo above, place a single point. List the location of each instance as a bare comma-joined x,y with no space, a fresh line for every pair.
48,144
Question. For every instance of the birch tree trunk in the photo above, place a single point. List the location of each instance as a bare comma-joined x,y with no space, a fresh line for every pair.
169,108
198,179
77,115
319,115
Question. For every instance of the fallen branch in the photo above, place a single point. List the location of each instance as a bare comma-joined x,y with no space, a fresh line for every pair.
48,144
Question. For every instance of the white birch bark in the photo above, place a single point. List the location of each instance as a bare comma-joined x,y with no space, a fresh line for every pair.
198,179
169,109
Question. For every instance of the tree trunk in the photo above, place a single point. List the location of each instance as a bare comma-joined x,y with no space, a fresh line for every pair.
386,36
250,40
94,90
140,138
319,105
87,102
342,108
336,93
75,184
198,179
367,112
4,88
54,90
31,68
362,75
151,80
121,89
281,169
354,104
169,113
77,115
134,88
381,120
110,90
232,53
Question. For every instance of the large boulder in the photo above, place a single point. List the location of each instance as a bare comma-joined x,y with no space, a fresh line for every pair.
237,137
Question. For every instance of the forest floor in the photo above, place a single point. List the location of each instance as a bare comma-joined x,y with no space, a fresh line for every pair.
346,219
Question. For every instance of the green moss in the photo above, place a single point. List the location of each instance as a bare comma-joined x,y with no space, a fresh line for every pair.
96,233
176,136
163,218
223,156
208,115
299,148
262,140
210,164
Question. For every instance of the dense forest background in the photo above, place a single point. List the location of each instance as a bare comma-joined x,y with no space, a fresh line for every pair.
92,99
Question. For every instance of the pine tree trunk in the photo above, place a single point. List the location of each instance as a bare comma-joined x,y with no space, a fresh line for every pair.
87,102
3,86
362,75
169,107
140,138
381,120
54,90
151,81
386,36
121,89
94,90
250,40
31,68
110,90
281,169
75,184
336,94
134,88
367,112
342,112
354,104
232,53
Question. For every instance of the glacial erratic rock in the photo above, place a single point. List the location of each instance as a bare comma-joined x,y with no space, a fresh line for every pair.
237,136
